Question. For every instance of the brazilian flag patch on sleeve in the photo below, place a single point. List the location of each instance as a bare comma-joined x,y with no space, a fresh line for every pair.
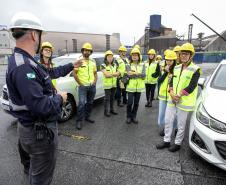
31,76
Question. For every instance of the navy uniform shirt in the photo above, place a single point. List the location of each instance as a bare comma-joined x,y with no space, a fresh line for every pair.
31,92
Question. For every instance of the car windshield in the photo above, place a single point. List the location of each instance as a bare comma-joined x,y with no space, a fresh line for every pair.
219,81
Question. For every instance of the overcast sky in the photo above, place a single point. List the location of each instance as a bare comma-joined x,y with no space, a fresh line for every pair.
127,17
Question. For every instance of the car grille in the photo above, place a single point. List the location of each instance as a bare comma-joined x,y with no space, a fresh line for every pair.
5,95
221,147
197,140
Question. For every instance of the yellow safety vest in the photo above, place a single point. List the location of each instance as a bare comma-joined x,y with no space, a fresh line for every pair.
136,84
150,69
86,72
180,81
109,82
163,90
122,66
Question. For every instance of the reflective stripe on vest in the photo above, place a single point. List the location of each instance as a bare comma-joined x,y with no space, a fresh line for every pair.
86,72
150,69
19,60
109,82
136,84
163,89
122,66
180,82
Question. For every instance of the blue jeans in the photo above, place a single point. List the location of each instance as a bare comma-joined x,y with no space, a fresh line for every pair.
162,113
86,96
133,104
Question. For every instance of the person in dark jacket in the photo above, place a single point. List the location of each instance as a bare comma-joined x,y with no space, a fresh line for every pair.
33,100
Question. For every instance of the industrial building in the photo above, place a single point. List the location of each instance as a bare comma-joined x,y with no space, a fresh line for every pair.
159,37
66,42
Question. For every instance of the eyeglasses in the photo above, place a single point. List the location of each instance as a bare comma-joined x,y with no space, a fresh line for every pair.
47,50
185,53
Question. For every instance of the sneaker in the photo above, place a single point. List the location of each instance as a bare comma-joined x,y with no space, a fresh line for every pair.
128,120
90,120
120,105
107,114
134,120
79,125
113,112
174,148
146,105
163,145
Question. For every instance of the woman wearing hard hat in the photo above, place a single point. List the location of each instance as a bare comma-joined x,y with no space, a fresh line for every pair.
164,79
136,73
46,53
152,74
110,74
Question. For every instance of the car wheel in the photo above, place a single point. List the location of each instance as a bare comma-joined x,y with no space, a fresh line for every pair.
68,109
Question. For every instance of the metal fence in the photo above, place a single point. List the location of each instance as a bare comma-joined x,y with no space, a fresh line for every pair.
209,57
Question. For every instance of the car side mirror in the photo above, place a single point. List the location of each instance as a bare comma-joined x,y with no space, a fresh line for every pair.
201,82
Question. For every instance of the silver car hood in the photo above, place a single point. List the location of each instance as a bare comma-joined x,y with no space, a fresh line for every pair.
214,101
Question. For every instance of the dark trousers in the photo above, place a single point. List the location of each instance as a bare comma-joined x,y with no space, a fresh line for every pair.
86,96
109,99
42,153
150,91
133,104
24,156
120,94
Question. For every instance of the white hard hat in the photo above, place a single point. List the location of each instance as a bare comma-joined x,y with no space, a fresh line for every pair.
26,20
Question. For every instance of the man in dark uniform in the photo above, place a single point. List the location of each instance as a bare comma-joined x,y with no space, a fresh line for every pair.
33,100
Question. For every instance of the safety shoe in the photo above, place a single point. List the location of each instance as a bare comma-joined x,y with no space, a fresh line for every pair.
120,105
163,145
113,112
150,104
79,125
162,133
90,120
174,148
128,120
147,104
107,114
134,120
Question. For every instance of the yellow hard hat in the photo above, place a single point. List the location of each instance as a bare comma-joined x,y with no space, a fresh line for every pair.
171,55
87,46
159,57
109,52
47,44
165,52
122,48
177,48
137,46
135,50
188,47
151,52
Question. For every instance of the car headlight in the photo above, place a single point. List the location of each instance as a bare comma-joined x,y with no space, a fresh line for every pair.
204,118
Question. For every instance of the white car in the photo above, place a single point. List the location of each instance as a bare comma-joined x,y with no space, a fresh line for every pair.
68,85
207,134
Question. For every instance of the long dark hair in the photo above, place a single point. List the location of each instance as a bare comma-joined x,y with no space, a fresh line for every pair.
130,59
50,63
107,63
172,67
